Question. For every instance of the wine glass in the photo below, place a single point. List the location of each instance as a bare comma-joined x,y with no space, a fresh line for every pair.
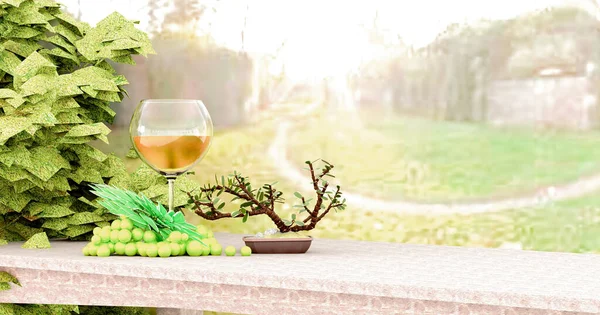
171,136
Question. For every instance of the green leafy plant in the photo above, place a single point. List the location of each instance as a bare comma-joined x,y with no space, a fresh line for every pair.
40,309
143,212
56,85
37,241
6,279
261,201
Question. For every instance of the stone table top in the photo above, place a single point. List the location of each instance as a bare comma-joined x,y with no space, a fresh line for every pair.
381,273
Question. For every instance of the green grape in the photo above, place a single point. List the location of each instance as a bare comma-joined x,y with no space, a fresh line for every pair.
93,250
149,237
124,236
138,245
210,234
182,248
86,250
114,236
174,249
208,241
107,229
105,235
103,250
194,248
205,250
202,230
116,224
126,224
161,243
111,246
120,248
246,251
96,240
151,250
97,230
230,251
142,249
175,237
137,234
216,249
164,250
184,237
130,249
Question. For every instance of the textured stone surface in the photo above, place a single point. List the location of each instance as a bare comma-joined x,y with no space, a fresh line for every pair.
333,277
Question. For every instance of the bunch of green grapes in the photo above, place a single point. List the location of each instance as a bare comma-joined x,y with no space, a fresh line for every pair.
122,238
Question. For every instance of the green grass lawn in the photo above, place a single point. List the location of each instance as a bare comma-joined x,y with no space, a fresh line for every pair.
419,159
570,226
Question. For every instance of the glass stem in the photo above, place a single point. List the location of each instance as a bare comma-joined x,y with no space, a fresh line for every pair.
171,181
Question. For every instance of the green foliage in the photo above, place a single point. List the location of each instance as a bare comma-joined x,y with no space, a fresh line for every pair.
263,200
6,279
37,309
37,241
143,212
55,90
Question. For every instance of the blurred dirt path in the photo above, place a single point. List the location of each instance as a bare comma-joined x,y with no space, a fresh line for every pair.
278,153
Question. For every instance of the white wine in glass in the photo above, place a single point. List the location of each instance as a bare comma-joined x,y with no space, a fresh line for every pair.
171,136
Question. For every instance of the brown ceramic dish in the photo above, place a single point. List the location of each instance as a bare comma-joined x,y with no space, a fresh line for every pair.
278,245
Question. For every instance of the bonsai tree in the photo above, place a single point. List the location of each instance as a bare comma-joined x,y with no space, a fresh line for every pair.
261,201
56,85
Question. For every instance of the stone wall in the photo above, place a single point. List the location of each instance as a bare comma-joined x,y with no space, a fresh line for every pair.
565,102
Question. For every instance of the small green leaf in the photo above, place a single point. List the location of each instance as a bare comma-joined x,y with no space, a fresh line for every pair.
39,240
164,233
245,217
7,277
246,204
297,194
235,213
293,216
221,206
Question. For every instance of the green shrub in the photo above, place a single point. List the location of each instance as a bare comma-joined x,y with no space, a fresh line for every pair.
56,85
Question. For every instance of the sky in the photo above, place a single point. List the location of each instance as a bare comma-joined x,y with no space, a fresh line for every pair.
325,36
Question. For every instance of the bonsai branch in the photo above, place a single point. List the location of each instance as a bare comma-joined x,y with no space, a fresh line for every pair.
208,205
